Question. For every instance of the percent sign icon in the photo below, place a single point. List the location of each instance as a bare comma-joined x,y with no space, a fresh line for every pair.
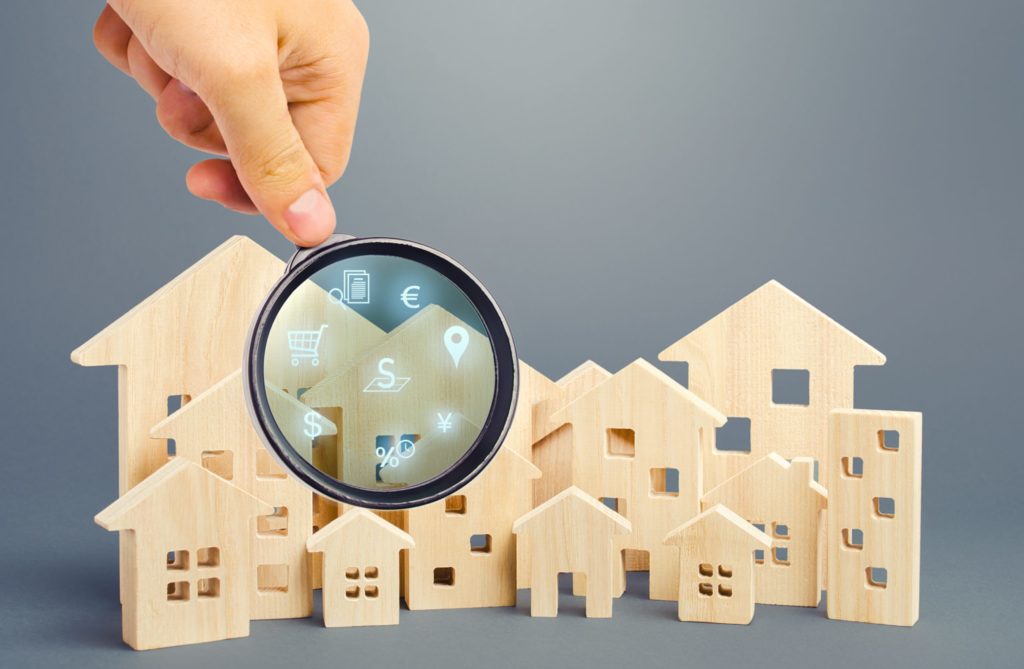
390,456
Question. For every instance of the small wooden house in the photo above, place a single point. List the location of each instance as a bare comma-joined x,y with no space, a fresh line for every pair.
783,500
716,566
361,584
187,538
572,533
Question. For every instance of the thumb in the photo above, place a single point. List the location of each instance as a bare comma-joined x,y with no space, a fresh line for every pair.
272,163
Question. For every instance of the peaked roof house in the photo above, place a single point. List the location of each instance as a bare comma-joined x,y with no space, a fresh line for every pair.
778,361
572,532
215,431
360,569
782,499
637,446
716,566
188,548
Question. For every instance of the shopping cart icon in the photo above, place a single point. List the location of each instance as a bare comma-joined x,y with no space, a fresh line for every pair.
305,344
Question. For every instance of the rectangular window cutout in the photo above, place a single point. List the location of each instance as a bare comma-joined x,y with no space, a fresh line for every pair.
759,556
371,572
780,531
371,591
885,507
853,467
266,467
889,440
791,386
177,591
620,442
274,524
724,590
455,504
208,588
221,463
444,576
480,543
177,560
352,573
208,557
724,571
877,577
704,569
664,482
734,436
706,589
352,592
780,556
271,578
853,539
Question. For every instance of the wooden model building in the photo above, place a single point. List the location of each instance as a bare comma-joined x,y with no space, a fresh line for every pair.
781,499
874,516
636,443
361,573
716,566
772,339
187,572
573,532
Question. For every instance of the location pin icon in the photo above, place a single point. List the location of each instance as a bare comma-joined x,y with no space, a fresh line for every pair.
456,339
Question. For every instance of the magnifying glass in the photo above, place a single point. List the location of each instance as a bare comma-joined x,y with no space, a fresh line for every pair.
380,372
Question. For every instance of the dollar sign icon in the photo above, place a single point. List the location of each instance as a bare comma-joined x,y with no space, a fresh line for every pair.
313,427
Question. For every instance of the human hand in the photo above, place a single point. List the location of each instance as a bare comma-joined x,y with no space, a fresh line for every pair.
273,85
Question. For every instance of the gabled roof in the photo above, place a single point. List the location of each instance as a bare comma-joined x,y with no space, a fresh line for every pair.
723,518
180,478
587,372
357,525
768,299
643,371
225,261
756,474
581,500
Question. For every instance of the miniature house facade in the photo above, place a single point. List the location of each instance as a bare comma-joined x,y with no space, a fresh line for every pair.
188,548
781,499
874,516
636,445
360,569
215,431
465,554
716,566
784,379
572,532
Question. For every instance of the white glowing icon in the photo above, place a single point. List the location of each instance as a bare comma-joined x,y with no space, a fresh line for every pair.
387,382
389,457
456,339
305,344
444,423
411,297
357,286
313,427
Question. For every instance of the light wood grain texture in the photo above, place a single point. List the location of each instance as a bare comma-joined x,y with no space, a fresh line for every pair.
361,569
215,431
782,499
179,341
572,532
447,569
731,358
636,441
716,566
874,516
187,535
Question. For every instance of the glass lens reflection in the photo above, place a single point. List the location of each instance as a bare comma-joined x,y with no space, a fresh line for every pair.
379,372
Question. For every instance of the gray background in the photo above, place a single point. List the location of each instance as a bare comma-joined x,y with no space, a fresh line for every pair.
616,173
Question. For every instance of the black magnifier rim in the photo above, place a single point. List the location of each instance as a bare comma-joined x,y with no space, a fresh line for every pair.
503,403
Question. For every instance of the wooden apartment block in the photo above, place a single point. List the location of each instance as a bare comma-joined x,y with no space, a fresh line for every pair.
361,569
716,566
637,439
781,499
572,532
874,516
215,431
771,339
188,544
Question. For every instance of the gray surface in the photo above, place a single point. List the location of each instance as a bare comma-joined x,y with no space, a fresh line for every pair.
616,173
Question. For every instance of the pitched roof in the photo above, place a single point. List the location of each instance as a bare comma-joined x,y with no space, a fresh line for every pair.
721,515
570,495
771,293
358,522
741,479
589,369
177,472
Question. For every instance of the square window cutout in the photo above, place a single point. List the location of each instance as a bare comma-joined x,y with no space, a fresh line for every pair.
620,442
208,588
877,577
853,538
734,436
208,557
885,507
480,543
791,386
889,440
853,467
455,504
177,591
664,482
177,560
444,576
273,524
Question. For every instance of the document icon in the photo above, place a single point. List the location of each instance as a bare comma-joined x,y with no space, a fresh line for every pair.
357,286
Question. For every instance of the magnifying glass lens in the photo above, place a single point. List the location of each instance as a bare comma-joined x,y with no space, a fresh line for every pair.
379,372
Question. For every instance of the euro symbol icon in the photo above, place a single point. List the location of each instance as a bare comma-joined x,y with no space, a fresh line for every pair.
411,297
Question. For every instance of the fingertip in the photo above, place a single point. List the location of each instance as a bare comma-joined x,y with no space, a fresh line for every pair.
311,217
